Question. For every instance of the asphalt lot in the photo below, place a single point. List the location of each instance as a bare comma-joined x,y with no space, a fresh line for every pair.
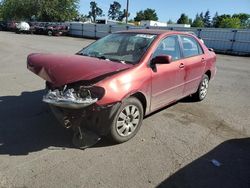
174,147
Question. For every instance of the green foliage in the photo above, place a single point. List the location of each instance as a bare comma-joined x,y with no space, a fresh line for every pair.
95,11
244,19
198,21
1,11
190,21
148,14
215,19
207,19
183,19
42,10
230,23
114,10
122,15
218,19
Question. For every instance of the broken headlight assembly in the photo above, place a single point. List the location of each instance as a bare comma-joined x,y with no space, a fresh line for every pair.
74,98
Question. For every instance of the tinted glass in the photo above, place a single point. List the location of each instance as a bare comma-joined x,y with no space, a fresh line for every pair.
190,46
169,46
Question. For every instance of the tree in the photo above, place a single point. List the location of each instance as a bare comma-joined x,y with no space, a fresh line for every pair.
201,16
1,11
170,22
230,23
82,18
148,14
94,11
198,21
122,15
183,19
114,10
244,19
46,10
207,19
217,21
57,10
190,21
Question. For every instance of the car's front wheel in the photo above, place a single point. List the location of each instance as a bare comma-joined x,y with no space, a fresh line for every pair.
127,120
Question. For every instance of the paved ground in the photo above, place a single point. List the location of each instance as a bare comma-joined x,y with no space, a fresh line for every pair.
174,148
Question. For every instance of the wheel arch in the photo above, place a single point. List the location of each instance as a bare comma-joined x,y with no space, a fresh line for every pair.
141,97
208,73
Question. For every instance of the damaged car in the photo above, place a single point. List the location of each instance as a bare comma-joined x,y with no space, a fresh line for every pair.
107,88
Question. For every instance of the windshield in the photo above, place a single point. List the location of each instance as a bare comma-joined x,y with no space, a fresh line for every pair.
121,47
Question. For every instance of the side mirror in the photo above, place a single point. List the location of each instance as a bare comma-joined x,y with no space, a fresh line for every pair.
211,49
162,59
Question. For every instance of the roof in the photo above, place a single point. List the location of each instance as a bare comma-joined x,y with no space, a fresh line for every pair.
149,31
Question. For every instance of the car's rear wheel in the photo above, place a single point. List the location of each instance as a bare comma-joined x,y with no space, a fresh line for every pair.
127,121
202,90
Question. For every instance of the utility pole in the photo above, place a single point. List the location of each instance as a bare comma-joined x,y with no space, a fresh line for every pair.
127,11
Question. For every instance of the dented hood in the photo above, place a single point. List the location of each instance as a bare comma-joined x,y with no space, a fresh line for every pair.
65,69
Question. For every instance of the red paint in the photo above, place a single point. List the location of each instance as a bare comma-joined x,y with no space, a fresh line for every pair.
170,82
65,69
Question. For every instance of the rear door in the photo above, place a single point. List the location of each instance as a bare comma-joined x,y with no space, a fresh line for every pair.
167,79
194,62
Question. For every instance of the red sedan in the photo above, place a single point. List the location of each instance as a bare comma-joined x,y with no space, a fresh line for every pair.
108,87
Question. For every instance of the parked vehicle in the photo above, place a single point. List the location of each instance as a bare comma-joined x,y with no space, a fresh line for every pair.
50,28
3,26
57,29
108,87
11,26
23,27
40,28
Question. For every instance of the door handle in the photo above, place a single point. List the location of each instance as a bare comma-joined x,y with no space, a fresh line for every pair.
181,65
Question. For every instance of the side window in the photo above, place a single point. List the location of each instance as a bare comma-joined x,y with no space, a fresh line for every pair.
169,46
190,46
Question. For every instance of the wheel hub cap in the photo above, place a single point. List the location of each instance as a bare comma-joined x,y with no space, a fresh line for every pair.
204,87
128,120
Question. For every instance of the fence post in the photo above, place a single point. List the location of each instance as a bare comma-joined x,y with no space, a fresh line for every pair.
82,30
95,31
233,40
110,28
199,32
70,30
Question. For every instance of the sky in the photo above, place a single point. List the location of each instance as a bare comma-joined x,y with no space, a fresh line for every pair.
172,9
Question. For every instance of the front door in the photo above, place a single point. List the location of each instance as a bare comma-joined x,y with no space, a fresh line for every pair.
167,79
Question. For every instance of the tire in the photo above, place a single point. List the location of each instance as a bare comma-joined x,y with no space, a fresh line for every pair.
127,121
50,33
201,93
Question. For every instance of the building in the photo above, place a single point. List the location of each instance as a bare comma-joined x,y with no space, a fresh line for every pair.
151,23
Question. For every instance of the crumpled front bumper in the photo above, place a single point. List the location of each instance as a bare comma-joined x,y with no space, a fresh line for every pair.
94,117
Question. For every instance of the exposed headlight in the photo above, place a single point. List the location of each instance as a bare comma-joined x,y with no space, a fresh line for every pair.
93,92
74,98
